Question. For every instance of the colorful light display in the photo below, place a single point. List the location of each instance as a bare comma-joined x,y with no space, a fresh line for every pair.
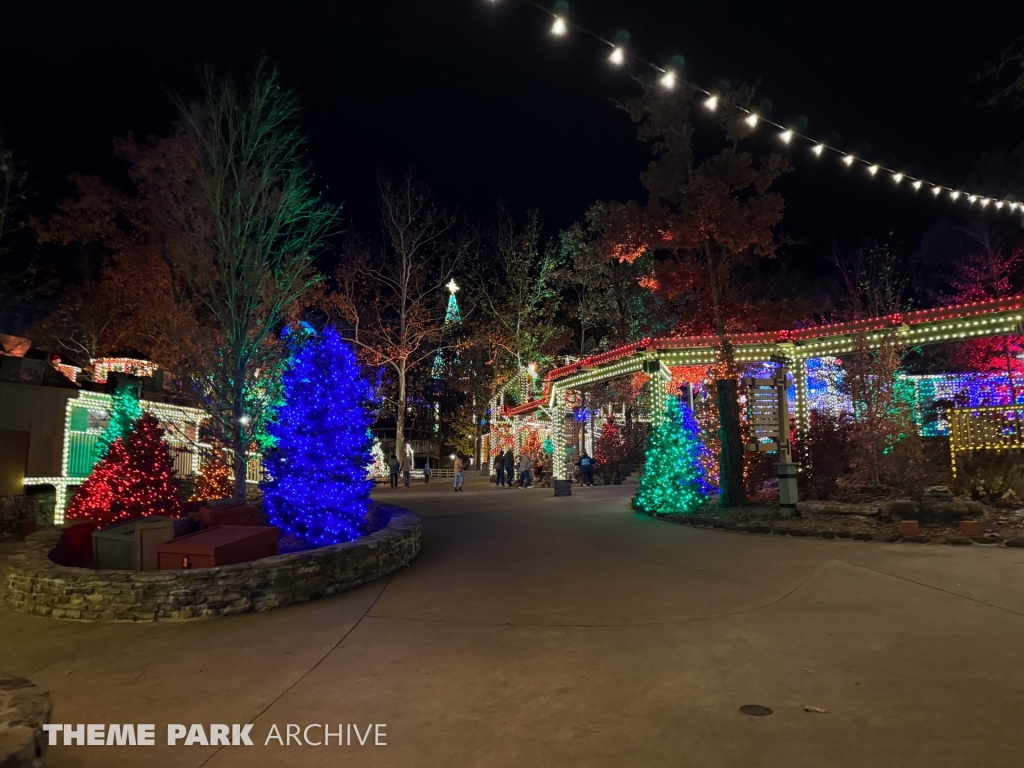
319,492
213,481
673,480
124,411
135,479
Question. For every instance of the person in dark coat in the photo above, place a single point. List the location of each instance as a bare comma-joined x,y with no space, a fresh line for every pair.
510,466
393,466
499,469
586,465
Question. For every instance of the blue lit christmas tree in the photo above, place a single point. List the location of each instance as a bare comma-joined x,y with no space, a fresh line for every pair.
673,480
319,492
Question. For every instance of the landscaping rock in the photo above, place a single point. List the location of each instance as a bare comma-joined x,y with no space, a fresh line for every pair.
23,712
900,509
958,540
1015,543
812,509
862,537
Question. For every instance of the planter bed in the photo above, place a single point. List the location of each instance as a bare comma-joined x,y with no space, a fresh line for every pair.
39,586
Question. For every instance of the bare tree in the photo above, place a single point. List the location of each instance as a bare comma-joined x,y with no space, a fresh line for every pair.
393,294
517,291
241,224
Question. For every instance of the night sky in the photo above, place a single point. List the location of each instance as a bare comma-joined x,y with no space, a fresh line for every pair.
479,100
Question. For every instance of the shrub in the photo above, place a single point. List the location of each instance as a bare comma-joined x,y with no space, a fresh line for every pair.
831,451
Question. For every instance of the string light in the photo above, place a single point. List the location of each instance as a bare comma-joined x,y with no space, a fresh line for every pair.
917,184
936,191
848,160
134,479
669,78
984,202
873,170
955,194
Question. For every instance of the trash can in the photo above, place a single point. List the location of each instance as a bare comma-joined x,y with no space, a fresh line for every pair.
562,487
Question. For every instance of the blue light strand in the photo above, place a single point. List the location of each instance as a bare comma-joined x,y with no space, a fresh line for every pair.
319,491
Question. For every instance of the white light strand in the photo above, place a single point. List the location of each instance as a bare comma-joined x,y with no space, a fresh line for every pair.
670,78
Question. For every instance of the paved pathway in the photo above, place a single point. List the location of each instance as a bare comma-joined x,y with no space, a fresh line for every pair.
536,632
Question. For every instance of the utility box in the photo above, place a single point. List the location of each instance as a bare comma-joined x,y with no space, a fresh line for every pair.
154,530
129,545
221,545
238,513
562,487
113,547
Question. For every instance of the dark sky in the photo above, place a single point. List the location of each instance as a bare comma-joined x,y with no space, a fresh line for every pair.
480,101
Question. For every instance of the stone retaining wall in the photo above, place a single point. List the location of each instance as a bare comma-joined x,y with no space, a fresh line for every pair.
37,585
33,507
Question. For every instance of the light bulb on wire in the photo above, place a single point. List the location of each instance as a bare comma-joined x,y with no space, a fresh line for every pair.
897,177
848,159
936,191
917,184
751,120
873,170
818,149
558,28
618,56
786,136
954,194
668,80
711,103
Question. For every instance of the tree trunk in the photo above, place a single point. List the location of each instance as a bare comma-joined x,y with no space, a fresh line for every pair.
400,415
238,430
730,461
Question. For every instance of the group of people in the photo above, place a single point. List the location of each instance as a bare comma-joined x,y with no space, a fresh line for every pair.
403,468
527,471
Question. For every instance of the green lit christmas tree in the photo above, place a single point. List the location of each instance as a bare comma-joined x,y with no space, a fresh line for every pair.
123,412
452,317
673,480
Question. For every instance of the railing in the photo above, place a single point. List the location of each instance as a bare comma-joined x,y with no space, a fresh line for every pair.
991,428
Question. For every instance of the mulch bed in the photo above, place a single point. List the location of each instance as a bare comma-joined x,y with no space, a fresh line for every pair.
1000,526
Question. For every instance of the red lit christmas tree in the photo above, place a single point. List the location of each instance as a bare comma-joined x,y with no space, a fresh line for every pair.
610,450
135,479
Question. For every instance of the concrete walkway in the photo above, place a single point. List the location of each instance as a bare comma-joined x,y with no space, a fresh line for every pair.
535,631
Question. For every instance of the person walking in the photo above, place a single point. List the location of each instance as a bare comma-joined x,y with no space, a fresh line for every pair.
406,468
393,466
459,477
426,473
499,470
586,465
510,466
525,465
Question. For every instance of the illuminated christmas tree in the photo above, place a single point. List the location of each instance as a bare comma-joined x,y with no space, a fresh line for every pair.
135,479
673,480
213,481
610,450
452,316
123,411
319,492
378,464
531,442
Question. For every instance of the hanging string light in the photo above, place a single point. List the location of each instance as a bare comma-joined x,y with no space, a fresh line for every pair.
669,78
